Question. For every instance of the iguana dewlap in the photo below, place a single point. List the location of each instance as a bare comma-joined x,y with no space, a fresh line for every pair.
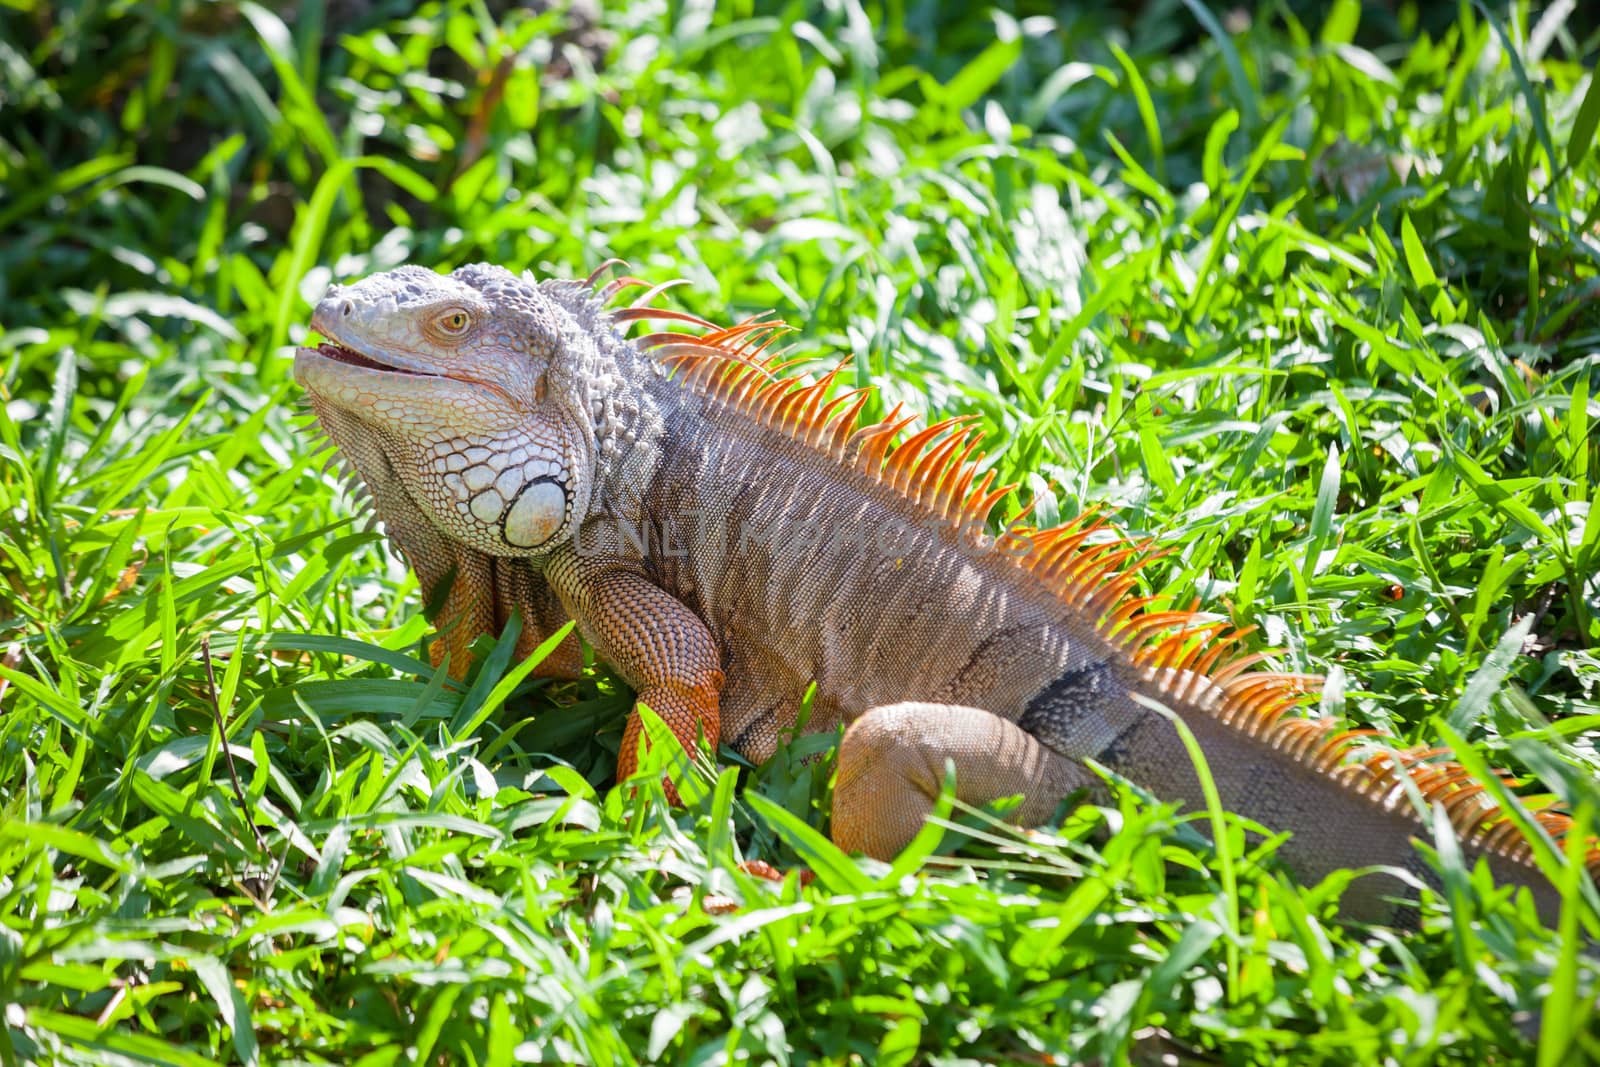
725,537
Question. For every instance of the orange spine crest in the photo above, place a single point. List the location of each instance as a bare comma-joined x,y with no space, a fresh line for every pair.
1189,658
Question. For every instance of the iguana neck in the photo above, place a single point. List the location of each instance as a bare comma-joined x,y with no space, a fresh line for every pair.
631,403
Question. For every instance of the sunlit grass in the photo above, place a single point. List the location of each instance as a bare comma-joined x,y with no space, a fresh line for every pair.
1313,304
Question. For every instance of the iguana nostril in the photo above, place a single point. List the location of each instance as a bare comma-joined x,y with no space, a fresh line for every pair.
347,308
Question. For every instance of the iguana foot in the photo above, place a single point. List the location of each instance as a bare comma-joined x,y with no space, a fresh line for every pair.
765,870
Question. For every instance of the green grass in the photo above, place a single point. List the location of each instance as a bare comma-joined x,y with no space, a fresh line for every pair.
1312,300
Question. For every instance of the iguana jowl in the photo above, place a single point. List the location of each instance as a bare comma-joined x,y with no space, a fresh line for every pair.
725,537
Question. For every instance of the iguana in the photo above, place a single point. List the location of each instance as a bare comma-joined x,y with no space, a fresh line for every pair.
726,536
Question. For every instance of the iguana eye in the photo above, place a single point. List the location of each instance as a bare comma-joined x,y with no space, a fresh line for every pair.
454,322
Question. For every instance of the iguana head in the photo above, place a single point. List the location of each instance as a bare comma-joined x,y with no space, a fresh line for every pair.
479,390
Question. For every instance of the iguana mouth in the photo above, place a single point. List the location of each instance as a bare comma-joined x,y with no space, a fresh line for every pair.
350,357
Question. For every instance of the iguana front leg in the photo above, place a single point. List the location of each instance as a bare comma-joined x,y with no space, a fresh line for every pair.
651,638
892,767
468,593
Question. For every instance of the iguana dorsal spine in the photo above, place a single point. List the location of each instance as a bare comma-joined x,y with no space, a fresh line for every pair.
1185,653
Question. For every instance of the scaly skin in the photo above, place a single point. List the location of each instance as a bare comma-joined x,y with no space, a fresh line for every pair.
725,539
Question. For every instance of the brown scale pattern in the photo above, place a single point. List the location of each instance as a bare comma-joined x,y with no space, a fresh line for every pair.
1195,658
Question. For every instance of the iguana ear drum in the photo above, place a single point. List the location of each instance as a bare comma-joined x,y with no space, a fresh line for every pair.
536,515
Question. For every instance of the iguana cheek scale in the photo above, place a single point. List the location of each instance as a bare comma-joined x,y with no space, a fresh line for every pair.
726,537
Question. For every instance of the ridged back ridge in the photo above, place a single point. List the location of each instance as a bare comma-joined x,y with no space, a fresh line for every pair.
1187,657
